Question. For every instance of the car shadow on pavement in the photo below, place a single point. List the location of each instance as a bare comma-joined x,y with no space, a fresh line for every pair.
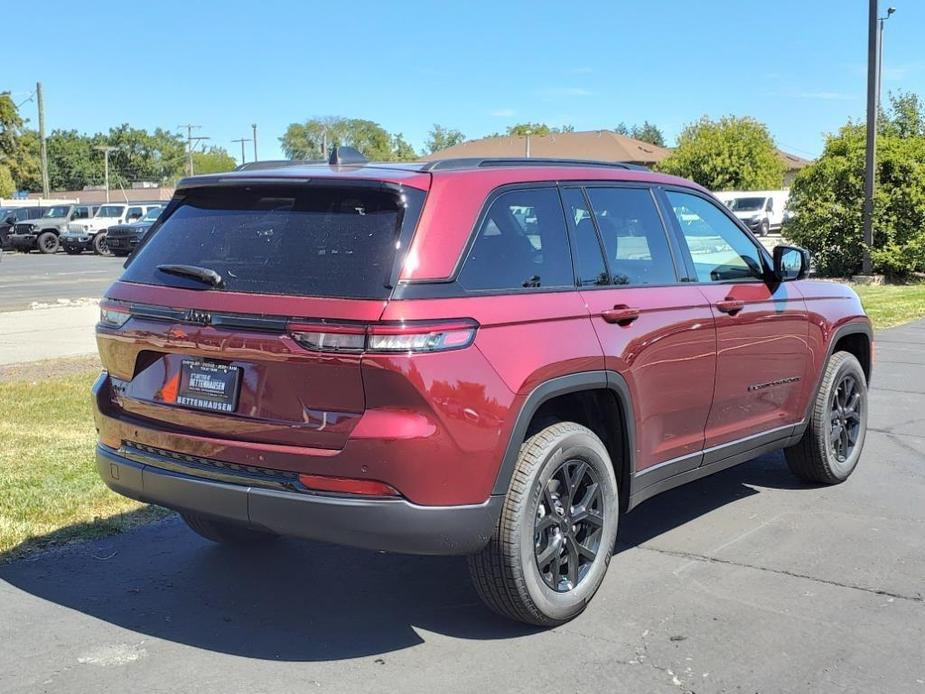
307,601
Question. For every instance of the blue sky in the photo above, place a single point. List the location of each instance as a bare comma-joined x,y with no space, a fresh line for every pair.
477,66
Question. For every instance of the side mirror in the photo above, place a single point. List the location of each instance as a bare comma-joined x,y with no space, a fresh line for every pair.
790,263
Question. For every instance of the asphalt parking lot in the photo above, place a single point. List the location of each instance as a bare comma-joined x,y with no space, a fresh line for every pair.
747,581
29,278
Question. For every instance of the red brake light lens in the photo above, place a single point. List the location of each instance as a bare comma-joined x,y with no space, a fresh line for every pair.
407,337
347,485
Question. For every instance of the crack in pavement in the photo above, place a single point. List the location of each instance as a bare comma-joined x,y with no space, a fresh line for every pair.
715,560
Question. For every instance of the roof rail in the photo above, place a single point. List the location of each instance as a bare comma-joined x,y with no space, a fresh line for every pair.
487,162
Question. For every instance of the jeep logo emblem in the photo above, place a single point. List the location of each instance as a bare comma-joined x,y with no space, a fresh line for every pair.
200,317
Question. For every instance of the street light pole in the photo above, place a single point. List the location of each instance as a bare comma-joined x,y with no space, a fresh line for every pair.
242,140
873,89
254,129
106,149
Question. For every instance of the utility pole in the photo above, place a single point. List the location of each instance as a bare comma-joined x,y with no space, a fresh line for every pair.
189,145
40,101
254,128
106,149
242,140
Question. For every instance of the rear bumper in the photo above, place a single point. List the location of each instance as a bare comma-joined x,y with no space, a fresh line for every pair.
393,525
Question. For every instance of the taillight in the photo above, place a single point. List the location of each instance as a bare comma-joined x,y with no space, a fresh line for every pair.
113,314
347,485
407,337
324,337
421,337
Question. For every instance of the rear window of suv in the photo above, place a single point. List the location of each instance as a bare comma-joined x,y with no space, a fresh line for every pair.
295,240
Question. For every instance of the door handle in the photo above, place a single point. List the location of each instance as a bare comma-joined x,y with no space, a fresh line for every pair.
730,306
621,314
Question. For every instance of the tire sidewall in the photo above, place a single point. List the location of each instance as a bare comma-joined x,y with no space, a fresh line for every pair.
587,447
842,470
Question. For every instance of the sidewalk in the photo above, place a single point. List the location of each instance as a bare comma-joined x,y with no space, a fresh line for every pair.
47,333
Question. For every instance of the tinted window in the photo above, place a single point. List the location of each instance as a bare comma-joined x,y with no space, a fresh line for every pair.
588,255
521,243
634,238
720,250
309,241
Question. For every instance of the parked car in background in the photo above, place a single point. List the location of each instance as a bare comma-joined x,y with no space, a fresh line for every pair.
90,234
43,234
493,358
762,211
122,239
13,215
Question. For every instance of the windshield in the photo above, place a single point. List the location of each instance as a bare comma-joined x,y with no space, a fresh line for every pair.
152,215
110,211
747,204
294,240
58,211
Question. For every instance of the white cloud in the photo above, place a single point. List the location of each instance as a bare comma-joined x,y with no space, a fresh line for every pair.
584,70
824,95
503,113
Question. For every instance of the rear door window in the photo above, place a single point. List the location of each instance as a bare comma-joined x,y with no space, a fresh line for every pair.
295,240
634,237
521,243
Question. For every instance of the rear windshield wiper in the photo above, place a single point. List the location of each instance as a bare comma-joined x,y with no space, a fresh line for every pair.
203,274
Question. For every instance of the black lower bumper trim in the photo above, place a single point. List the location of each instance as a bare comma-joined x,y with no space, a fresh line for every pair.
393,525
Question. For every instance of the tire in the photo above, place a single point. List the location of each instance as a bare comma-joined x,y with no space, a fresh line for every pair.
47,242
99,244
509,573
764,228
225,533
816,457
72,251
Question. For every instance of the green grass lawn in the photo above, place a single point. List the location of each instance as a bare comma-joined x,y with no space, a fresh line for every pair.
51,492
892,304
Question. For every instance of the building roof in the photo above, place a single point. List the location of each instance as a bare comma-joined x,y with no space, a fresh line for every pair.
601,145
792,161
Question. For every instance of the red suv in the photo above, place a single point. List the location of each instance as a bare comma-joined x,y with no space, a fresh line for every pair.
493,358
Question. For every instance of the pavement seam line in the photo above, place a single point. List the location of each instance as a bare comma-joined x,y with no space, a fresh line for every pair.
715,560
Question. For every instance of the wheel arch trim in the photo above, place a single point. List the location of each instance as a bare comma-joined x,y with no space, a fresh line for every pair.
564,385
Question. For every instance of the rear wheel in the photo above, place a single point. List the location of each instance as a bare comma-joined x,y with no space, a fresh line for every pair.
225,533
764,228
99,244
555,537
47,242
832,443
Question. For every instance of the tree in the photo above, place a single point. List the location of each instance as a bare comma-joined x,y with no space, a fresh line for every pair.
19,150
729,154
213,160
440,138
72,161
905,116
7,187
306,140
647,132
538,129
401,150
827,198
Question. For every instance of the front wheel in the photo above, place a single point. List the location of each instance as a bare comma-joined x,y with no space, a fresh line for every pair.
764,229
100,247
47,242
832,443
557,529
